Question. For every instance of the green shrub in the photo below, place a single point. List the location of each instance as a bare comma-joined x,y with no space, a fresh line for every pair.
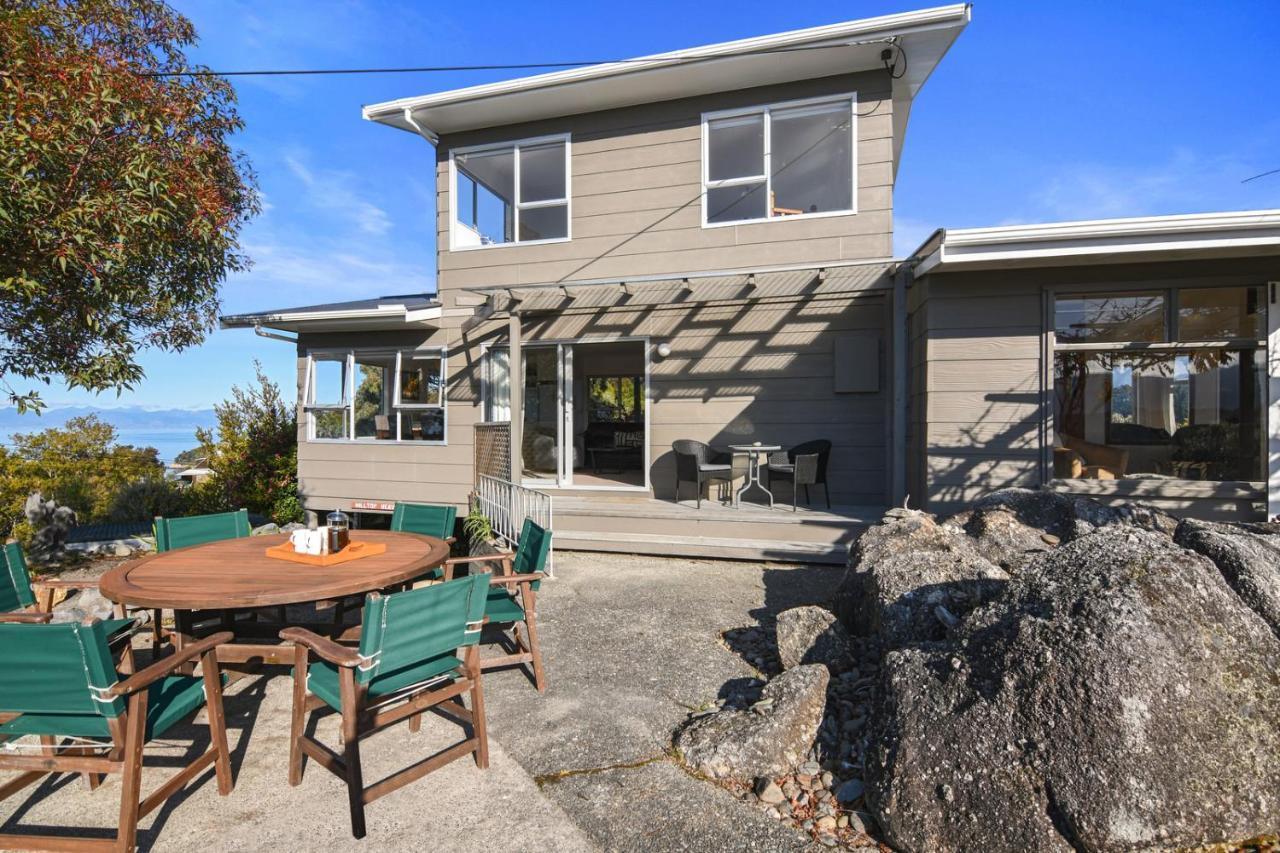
253,454
79,465
144,500
477,525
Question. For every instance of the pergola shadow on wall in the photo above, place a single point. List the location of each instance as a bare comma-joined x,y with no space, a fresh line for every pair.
762,356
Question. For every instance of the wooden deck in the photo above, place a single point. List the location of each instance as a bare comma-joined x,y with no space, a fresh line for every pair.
639,524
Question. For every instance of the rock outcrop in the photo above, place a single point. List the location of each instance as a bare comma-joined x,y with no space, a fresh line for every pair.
1116,696
1004,539
768,739
812,635
52,525
1248,555
908,575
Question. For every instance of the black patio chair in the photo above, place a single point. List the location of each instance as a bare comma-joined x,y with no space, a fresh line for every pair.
804,465
697,463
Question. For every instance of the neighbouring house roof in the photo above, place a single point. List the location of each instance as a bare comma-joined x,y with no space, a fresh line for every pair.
815,280
1098,241
924,36
195,472
384,312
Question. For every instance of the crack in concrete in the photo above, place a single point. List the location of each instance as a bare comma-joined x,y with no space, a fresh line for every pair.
560,775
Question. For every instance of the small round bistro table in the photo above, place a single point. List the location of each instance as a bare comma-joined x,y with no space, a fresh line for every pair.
237,574
754,454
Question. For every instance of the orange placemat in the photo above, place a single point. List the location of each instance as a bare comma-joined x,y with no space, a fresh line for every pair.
353,551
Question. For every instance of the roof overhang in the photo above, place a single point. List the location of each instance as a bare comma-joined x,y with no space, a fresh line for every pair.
924,36
386,314
1102,241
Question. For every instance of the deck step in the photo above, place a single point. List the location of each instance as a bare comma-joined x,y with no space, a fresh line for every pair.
700,546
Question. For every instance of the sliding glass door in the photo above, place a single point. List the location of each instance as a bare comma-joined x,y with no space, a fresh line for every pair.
546,397
584,424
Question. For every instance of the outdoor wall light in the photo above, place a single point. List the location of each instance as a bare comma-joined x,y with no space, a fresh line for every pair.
664,349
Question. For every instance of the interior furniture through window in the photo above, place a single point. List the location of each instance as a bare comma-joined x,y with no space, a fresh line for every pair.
1162,384
376,395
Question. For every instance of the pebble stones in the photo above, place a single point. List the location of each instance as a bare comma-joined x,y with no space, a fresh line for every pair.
822,794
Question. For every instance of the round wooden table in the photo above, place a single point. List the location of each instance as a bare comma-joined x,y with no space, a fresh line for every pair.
237,574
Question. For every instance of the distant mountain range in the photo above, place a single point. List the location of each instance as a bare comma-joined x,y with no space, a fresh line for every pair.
133,418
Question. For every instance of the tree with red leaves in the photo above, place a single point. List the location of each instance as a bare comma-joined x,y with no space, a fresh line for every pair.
121,198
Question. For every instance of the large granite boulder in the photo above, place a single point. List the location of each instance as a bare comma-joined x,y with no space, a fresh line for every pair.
1058,514
770,738
1248,555
1117,696
910,577
812,635
1004,539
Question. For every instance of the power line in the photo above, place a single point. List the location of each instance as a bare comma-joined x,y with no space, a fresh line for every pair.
518,66
1261,176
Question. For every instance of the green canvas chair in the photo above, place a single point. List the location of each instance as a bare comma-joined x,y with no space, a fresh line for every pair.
513,599
192,530
429,520
22,600
198,529
417,652
57,683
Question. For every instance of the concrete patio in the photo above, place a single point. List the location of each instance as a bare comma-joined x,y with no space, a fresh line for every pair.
632,645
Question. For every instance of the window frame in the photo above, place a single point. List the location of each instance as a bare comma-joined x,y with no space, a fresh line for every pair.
514,145
766,111
349,356
1170,345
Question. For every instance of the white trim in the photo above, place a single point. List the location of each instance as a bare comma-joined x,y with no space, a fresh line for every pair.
1272,293
390,315
765,111
843,37
517,205
1097,240
347,407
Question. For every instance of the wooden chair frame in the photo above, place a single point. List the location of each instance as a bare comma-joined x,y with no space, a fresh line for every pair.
41,611
361,718
527,649
124,755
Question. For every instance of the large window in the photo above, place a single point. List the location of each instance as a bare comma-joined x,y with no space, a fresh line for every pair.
1160,385
367,395
510,193
786,160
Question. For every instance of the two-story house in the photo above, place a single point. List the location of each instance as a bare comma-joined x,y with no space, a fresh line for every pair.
698,245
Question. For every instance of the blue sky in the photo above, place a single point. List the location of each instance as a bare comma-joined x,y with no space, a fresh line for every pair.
1041,111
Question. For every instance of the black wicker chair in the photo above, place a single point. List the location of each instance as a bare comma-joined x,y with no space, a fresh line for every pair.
804,465
697,463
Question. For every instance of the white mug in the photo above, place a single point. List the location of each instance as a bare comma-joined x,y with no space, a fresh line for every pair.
298,539
315,541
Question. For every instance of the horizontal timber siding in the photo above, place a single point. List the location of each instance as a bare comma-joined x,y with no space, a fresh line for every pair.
977,395
750,371
636,196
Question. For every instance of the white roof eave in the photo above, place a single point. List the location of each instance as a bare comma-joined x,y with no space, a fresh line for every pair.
1183,236
383,317
925,35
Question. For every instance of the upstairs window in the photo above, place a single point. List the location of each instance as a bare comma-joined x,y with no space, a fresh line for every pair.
785,160
516,192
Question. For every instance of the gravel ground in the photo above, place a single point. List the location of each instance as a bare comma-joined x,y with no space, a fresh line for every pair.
632,645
